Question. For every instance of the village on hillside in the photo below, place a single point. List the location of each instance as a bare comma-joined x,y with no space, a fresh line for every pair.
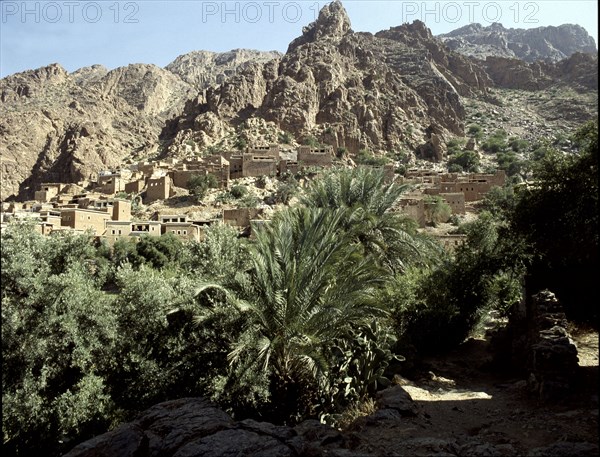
98,205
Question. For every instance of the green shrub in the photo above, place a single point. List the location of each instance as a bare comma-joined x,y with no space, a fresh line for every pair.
518,145
510,162
240,143
198,185
341,152
248,201
159,251
475,131
435,309
224,197
494,145
467,160
455,144
220,256
496,142
436,209
311,141
365,157
286,190
238,191
285,137
559,218
400,170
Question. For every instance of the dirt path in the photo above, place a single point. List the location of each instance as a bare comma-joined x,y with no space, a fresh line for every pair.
465,409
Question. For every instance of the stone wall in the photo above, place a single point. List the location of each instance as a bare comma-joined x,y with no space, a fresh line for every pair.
83,219
288,166
135,187
158,189
473,190
121,210
552,360
110,184
48,191
259,166
413,208
451,242
315,157
456,202
271,151
182,177
537,344
240,217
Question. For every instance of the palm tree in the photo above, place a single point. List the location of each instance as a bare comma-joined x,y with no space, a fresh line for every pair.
314,280
390,236
309,284
351,188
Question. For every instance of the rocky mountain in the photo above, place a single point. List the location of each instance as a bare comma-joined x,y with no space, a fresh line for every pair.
553,43
401,88
398,89
202,69
63,127
580,71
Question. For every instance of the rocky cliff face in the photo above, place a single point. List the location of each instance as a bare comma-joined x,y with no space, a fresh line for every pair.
553,43
63,127
202,69
353,90
400,89
580,71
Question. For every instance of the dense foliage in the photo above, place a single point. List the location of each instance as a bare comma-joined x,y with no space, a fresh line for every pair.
558,216
304,320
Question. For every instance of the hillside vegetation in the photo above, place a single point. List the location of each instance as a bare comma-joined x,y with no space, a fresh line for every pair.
307,319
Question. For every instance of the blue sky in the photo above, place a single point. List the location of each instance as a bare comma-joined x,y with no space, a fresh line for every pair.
113,33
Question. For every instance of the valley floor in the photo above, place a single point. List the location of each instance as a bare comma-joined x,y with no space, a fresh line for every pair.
465,409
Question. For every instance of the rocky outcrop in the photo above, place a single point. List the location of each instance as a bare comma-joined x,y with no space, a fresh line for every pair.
513,73
355,90
400,426
202,69
541,43
58,127
193,426
465,75
552,361
580,71
148,89
537,344
333,24
400,89
63,127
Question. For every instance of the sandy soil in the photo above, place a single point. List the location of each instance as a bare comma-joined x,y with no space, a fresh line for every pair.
467,409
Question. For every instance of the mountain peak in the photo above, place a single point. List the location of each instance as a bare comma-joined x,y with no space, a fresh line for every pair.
496,27
540,43
333,22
